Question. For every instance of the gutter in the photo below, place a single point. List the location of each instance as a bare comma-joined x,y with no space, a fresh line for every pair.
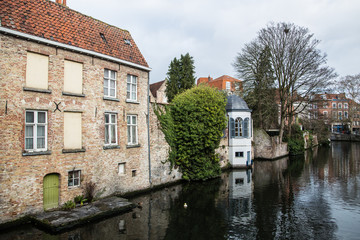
71,48
148,127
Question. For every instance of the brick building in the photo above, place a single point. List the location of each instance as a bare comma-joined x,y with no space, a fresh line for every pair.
339,112
73,107
224,82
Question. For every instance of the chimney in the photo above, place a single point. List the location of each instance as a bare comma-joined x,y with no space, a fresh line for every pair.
209,78
63,2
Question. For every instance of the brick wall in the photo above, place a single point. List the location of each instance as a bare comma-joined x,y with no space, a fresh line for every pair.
21,177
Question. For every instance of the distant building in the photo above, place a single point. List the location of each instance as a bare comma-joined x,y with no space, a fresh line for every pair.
157,92
224,82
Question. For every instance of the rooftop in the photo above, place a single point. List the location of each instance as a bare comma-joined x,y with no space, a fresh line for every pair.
58,23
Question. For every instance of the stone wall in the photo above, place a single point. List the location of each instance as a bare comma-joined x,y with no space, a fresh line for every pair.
21,177
267,147
159,152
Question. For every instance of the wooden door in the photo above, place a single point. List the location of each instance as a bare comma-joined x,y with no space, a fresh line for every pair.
51,191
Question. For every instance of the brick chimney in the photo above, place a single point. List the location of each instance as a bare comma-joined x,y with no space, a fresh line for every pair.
63,2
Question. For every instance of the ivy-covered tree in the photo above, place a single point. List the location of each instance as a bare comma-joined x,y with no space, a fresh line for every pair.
193,126
180,76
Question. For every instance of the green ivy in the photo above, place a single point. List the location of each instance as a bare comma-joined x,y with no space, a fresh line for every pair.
193,126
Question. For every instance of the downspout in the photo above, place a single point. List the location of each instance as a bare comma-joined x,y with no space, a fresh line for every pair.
148,126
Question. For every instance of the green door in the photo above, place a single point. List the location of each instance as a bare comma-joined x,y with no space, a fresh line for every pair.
51,191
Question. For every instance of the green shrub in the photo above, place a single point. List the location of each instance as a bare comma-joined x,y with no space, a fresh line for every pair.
69,205
193,125
80,199
296,144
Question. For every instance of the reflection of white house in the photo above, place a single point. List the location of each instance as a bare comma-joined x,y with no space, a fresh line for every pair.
240,131
240,197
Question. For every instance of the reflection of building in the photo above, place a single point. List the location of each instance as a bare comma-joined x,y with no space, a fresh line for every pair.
240,196
239,131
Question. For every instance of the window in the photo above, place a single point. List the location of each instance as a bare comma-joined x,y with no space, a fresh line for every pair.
73,77
238,127
131,88
121,168
334,114
345,114
340,114
325,105
227,85
239,181
239,154
132,129
37,69
109,83
346,105
310,106
110,128
74,178
315,105
339,105
334,105
325,114
72,130
36,130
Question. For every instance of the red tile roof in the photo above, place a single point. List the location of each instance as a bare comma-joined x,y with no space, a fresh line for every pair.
56,22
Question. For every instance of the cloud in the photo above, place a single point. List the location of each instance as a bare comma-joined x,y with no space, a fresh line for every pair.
214,31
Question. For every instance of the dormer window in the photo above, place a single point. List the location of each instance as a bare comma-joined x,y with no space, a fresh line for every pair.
127,42
103,37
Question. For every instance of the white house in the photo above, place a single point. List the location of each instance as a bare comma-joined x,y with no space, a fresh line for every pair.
240,131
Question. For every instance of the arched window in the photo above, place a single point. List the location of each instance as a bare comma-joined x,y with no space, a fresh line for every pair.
238,127
246,127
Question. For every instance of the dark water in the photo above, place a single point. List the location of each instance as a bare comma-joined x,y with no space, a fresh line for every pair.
316,196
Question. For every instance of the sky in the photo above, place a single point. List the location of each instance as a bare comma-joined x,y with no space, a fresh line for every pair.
213,32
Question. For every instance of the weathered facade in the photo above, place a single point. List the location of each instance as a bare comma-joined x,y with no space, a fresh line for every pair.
74,107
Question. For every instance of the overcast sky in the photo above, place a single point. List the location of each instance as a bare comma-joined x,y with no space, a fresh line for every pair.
214,31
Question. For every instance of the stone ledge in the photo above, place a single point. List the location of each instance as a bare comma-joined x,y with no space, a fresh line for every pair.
57,221
106,147
37,90
36,153
73,94
73,150
133,146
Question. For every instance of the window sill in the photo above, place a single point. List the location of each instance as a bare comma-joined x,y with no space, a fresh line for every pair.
105,147
133,146
37,90
111,99
73,94
131,101
36,153
73,150
73,187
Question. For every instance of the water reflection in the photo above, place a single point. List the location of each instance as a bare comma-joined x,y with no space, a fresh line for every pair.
315,196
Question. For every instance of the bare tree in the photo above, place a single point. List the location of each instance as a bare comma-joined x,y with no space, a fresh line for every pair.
350,85
299,67
254,67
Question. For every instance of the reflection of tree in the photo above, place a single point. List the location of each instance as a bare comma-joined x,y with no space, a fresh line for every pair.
201,219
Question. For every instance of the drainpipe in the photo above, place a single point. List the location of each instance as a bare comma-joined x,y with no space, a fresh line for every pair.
148,126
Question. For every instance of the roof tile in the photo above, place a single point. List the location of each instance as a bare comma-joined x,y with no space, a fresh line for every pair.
47,19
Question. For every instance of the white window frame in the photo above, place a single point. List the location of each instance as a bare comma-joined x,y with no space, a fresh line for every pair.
108,79
131,88
339,105
73,178
228,85
35,125
340,115
334,105
325,114
346,115
132,140
346,105
112,122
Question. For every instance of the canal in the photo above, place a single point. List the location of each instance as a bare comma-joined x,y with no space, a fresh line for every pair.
316,196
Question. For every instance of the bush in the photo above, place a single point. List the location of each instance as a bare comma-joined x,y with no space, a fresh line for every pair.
296,143
193,126
69,205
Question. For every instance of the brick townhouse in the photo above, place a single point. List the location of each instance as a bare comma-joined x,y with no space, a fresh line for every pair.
73,107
